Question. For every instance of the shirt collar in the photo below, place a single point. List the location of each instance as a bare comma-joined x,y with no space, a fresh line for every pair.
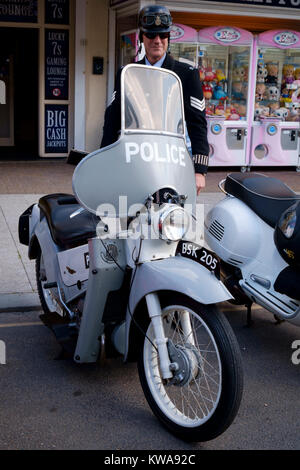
158,63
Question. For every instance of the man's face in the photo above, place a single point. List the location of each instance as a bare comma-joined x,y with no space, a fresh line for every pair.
156,47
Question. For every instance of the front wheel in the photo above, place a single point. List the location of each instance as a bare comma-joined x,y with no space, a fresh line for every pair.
203,397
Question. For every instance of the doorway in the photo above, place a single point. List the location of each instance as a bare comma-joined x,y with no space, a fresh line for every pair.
18,93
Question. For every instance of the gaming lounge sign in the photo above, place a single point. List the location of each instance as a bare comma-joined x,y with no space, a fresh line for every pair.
20,11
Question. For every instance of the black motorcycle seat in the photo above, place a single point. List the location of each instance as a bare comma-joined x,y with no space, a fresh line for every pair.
67,232
268,197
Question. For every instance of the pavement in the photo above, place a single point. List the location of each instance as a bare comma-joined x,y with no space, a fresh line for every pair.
22,183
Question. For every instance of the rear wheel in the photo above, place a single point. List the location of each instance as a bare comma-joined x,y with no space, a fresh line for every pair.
203,397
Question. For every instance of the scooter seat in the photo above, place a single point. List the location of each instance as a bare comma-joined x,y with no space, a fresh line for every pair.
67,232
268,197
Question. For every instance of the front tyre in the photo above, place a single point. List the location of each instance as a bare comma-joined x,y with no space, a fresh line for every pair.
203,397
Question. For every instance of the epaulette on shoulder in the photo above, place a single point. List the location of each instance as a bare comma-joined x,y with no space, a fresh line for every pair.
184,66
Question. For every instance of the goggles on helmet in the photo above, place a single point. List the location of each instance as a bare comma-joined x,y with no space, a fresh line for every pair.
156,19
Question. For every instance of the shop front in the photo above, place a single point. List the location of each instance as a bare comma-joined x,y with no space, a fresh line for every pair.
36,60
53,76
236,47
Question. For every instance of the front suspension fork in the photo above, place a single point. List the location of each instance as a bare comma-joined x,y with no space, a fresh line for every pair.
154,310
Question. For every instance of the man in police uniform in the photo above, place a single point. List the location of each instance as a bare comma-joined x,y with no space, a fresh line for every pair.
155,24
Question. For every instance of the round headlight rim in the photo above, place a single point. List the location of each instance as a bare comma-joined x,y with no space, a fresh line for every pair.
164,213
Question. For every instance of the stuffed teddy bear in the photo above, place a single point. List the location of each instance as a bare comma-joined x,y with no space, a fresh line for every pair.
272,75
260,92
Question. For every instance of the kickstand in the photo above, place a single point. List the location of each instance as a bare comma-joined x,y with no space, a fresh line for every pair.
249,315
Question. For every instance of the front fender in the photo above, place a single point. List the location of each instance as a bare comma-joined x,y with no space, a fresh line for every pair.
181,275
177,274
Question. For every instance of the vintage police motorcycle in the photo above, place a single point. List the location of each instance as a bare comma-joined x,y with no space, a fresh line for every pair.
255,230
115,276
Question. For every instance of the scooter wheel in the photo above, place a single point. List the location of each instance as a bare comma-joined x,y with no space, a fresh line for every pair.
202,399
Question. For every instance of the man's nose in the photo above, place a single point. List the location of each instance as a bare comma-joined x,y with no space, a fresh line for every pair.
157,38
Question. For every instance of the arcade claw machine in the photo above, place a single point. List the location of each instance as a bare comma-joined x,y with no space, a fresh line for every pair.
224,58
276,126
183,44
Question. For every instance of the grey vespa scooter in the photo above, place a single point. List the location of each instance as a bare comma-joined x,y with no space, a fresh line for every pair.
116,272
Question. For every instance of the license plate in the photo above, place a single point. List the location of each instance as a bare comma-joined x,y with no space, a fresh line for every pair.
201,255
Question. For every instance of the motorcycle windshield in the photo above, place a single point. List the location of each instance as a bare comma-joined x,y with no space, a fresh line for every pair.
150,154
152,101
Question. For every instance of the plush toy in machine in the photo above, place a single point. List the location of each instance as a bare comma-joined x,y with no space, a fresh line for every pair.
261,74
260,92
220,110
260,111
237,91
282,113
297,74
209,109
296,96
294,112
288,74
207,91
272,73
220,77
201,74
273,106
241,109
285,96
209,75
234,115
239,74
273,93
219,93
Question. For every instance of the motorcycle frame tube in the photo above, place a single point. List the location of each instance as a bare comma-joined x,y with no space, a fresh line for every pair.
178,274
104,277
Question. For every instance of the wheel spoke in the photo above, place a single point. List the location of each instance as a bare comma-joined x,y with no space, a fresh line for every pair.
193,402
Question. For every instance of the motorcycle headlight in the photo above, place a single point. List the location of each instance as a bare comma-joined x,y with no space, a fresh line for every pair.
287,223
173,223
